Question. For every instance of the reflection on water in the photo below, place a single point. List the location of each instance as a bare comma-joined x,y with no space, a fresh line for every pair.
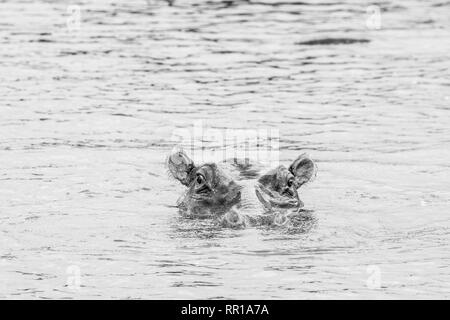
87,119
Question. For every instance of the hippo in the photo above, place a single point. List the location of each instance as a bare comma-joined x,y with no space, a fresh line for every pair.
236,193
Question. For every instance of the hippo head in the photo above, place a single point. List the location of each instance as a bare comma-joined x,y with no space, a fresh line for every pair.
278,187
209,187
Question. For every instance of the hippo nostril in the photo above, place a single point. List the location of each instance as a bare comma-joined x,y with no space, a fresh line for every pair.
280,219
233,219
233,216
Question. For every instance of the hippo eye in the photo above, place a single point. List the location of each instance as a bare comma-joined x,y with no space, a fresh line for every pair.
290,182
200,179
200,184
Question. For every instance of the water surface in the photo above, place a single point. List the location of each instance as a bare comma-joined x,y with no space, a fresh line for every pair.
87,118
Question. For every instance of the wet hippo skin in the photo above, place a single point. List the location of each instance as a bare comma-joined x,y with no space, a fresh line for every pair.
219,190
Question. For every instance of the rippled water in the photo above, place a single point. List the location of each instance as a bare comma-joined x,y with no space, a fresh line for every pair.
87,118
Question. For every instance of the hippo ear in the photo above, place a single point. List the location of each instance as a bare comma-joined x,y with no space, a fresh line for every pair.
303,169
180,166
